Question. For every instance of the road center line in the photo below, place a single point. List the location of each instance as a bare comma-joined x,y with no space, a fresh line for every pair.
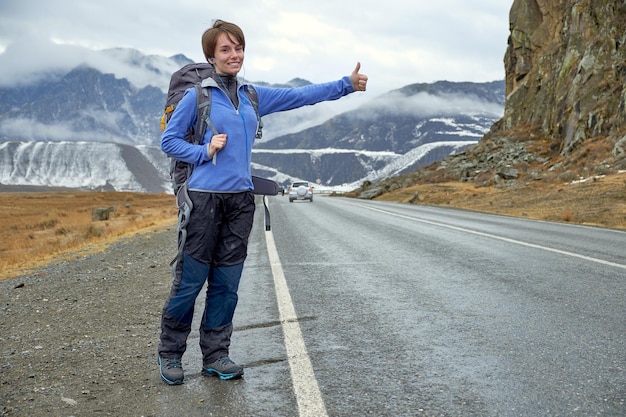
505,239
306,389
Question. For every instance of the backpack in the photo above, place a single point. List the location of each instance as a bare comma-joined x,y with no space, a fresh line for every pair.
191,75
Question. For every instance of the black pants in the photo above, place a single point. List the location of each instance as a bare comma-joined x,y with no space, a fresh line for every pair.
215,249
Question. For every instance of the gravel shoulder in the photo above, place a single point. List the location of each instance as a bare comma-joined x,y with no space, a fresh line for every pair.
79,338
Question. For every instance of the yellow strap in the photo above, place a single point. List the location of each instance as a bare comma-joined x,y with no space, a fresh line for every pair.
167,111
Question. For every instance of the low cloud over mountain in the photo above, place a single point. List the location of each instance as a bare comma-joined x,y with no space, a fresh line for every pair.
102,110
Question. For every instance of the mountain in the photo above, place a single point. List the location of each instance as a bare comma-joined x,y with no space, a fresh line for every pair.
565,110
398,132
84,165
83,105
87,128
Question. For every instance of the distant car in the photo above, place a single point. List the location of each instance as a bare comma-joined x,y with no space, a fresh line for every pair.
300,190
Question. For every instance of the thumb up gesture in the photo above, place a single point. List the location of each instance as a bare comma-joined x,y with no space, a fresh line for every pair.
359,81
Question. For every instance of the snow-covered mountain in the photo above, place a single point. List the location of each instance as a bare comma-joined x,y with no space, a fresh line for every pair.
84,165
88,128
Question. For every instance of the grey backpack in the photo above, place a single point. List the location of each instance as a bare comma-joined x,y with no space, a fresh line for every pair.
191,75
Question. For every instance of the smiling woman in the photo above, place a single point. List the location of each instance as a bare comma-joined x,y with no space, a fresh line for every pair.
220,189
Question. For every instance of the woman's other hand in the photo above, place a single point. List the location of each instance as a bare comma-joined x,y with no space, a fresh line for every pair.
216,144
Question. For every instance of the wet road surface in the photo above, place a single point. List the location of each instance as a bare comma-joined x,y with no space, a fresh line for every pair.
399,310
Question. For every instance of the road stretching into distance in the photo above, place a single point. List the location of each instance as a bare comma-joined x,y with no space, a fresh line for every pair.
361,308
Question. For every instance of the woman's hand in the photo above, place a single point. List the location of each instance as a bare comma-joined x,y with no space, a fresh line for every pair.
359,81
216,144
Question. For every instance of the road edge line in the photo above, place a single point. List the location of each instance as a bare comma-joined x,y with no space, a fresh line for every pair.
305,386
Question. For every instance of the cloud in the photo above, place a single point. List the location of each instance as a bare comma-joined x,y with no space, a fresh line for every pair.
20,129
397,42
28,130
427,105
29,60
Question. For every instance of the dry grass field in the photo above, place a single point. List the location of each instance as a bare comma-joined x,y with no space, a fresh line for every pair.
36,227
597,201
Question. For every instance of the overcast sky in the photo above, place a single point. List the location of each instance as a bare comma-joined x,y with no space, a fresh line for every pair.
397,42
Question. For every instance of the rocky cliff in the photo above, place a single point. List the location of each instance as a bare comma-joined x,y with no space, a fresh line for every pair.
566,70
565,105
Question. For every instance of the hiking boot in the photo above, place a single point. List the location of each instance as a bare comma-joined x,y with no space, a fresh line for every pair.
224,368
171,370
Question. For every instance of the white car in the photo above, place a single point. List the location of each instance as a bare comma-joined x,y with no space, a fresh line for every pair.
300,190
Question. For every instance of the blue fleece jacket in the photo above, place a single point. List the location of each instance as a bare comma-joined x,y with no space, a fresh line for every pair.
231,172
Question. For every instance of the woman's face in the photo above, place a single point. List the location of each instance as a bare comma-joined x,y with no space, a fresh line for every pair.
228,58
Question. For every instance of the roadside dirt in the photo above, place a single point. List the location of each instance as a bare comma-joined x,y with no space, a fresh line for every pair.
79,338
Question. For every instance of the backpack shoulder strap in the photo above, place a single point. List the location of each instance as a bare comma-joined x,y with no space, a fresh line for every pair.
253,95
203,105
203,99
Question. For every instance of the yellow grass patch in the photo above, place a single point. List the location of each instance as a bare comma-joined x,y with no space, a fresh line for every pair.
38,227
597,201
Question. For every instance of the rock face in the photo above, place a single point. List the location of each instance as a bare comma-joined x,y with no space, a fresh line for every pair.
565,104
566,70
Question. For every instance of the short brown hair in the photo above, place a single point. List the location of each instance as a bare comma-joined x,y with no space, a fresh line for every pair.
209,37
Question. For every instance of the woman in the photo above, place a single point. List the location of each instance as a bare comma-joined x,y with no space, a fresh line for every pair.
223,202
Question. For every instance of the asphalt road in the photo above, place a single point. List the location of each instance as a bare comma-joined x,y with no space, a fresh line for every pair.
361,308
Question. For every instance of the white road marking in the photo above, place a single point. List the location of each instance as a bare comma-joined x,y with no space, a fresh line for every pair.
505,239
306,389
